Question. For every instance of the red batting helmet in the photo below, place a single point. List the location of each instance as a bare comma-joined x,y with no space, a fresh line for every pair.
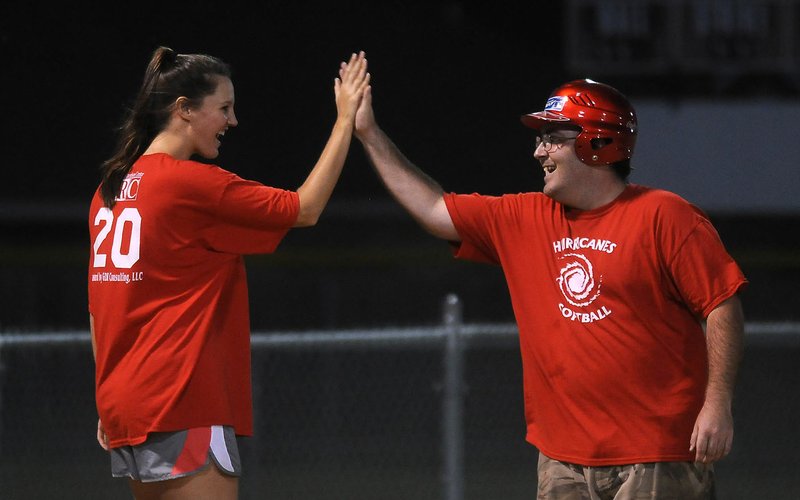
601,112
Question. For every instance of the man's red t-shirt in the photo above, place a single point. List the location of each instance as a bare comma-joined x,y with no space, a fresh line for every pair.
168,293
609,304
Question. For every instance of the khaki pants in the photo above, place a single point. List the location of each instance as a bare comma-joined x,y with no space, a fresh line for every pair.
659,480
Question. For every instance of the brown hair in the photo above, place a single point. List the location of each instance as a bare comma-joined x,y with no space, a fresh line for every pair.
168,76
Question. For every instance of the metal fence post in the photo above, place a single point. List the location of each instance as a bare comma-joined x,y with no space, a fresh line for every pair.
452,400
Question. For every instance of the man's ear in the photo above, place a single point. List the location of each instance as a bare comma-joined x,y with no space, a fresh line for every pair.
183,108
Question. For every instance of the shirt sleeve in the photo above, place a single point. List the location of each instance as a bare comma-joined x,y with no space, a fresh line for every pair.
704,272
251,217
472,218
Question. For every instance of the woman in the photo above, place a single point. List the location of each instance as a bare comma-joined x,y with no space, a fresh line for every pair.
167,287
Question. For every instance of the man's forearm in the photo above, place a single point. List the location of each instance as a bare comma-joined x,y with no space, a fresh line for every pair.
401,177
416,191
725,340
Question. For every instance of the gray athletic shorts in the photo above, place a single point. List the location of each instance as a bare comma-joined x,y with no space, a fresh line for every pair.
170,455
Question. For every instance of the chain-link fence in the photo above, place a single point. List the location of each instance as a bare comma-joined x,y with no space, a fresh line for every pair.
395,413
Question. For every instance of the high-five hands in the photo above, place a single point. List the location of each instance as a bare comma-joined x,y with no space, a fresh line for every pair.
365,117
351,86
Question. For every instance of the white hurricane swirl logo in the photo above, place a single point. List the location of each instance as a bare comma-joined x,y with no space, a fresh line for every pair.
577,280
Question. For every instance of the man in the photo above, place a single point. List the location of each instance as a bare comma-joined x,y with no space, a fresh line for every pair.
625,397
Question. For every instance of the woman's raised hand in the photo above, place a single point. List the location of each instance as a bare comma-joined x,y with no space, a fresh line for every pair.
350,86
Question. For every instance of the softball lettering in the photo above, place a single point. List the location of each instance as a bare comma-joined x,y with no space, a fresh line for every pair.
584,317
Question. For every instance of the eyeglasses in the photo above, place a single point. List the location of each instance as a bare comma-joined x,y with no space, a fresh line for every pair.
552,142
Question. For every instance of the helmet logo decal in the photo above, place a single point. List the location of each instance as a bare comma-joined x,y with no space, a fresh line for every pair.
555,103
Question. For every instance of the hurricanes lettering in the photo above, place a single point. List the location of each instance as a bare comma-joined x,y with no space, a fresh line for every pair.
580,243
